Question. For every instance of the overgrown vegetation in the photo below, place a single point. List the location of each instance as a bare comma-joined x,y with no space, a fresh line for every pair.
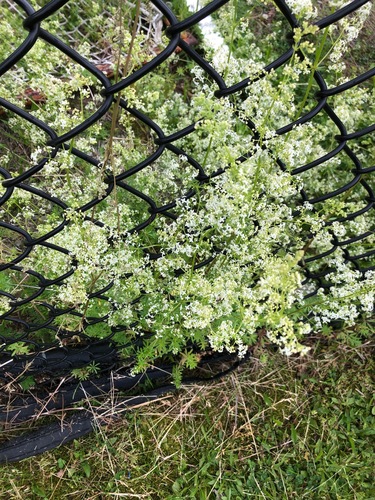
296,427
250,222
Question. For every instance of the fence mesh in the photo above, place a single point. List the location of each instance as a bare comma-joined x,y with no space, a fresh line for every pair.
35,339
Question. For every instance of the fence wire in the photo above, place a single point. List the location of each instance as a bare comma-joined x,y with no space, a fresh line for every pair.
51,360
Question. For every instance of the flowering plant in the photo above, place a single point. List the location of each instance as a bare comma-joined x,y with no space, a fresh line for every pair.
242,219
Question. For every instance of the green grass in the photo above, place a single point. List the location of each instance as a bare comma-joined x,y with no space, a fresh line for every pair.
276,429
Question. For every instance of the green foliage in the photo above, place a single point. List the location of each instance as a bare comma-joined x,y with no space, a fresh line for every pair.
27,383
19,348
86,372
253,211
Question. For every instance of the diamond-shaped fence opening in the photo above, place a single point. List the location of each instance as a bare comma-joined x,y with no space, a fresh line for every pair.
97,176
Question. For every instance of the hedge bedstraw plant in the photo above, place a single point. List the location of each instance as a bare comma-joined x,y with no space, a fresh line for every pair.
249,221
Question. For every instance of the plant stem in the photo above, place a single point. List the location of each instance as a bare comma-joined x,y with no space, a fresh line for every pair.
116,109
317,61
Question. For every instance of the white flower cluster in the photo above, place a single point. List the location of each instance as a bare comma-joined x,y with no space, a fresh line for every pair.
4,305
304,9
230,258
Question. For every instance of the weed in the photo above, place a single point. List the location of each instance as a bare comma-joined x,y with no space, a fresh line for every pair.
87,371
160,224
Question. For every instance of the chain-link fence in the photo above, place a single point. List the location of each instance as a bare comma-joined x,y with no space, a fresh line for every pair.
41,341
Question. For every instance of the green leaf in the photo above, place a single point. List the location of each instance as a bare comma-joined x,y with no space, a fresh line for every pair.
176,487
267,400
27,383
37,490
18,348
86,469
294,434
177,375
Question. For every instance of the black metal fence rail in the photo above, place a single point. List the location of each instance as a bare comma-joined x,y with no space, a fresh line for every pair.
51,358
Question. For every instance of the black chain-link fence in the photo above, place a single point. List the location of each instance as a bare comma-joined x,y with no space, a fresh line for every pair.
37,346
